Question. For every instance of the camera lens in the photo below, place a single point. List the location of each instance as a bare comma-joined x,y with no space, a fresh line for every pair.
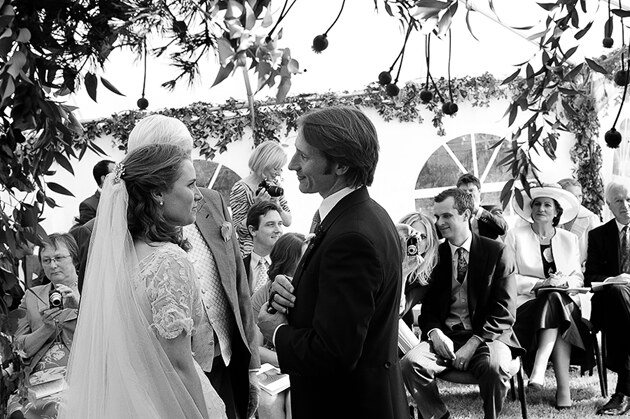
275,191
54,299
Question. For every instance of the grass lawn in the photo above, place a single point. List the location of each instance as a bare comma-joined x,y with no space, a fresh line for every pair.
463,400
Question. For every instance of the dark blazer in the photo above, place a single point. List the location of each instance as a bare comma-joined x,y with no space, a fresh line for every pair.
82,235
340,347
602,261
87,208
210,217
491,293
490,225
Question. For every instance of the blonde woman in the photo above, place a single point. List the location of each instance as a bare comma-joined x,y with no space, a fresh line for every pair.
262,184
417,269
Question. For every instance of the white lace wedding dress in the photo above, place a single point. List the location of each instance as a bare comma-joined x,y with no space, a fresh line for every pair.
167,278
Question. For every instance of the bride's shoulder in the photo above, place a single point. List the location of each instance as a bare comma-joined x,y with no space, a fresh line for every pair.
165,254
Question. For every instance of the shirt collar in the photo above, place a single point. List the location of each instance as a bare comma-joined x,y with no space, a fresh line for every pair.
465,245
256,259
620,226
330,201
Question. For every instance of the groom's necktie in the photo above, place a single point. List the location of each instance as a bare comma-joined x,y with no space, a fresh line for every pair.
316,221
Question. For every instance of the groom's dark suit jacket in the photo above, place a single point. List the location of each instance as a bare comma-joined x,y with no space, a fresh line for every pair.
340,347
491,293
602,261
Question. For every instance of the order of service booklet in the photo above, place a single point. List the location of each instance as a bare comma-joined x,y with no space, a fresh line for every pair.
272,380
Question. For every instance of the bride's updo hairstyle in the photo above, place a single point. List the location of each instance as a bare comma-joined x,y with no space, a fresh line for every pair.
148,170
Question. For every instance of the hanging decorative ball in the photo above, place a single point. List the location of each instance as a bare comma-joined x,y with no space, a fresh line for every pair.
142,103
392,90
426,96
621,77
608,42
450,108
320,43
613,138
384,78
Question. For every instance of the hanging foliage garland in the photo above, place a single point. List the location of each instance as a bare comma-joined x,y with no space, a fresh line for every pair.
214,127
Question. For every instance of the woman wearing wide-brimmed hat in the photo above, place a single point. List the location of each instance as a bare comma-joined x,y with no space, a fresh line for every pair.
548,323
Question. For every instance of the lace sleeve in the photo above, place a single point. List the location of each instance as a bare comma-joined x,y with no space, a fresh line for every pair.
171,291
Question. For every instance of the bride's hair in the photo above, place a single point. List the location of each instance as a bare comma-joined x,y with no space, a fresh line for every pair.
150,169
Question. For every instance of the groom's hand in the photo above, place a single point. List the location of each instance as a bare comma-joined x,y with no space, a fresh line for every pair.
267,323
254,394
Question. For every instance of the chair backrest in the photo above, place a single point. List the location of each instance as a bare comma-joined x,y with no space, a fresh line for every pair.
466,377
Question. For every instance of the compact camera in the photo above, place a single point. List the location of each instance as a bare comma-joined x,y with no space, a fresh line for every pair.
412,246
54,298
273,190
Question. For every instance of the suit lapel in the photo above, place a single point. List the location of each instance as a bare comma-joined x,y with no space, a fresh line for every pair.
475,260
612,245
444,279
209,222
348,201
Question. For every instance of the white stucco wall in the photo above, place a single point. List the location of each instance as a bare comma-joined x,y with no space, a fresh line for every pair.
405,147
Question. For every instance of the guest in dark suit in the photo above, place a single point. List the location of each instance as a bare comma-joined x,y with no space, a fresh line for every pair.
482,221
338,342
608,259
87,208
467,314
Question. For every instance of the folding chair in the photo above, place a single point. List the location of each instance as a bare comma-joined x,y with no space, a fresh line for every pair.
466,377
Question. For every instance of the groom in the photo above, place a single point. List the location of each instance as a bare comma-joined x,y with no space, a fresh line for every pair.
339,341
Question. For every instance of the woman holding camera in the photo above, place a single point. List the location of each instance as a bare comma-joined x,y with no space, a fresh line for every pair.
44,335
420,258
265,163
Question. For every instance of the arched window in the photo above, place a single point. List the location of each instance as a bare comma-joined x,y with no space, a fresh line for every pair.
215,176
475,153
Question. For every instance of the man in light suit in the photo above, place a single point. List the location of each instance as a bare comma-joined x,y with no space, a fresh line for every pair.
88,207
608,260
339,341
467,314
225,344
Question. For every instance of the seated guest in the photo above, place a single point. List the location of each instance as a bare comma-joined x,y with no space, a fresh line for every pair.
585,220
416,268
266,163
548,324
264,223
609,261
284,256
87,208
467,313
483,222
44,335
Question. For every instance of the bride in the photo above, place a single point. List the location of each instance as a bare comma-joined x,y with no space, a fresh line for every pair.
132,355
